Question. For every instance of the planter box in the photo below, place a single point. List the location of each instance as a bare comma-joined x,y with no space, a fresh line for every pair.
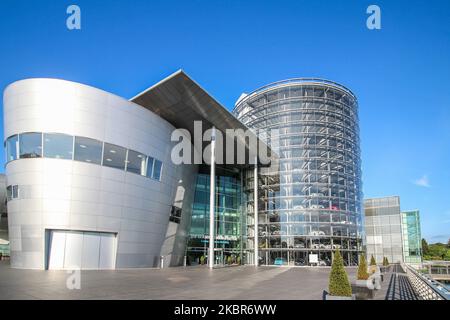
363,289
330,297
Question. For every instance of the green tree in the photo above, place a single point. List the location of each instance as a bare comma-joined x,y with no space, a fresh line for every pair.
448,243
387,261
362,268
338,283
372,261
425,249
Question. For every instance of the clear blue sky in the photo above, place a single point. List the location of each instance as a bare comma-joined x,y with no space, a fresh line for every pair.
401,74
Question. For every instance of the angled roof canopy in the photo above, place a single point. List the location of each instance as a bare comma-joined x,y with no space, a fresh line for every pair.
181,101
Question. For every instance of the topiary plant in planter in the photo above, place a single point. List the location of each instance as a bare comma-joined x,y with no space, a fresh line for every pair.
202,260
373,265
339,286
362,268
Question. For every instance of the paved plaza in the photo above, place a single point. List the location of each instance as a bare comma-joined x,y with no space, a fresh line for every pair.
243,282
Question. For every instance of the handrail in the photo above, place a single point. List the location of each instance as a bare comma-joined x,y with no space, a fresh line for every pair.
425,287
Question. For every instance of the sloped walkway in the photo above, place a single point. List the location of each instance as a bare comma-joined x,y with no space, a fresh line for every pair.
396,286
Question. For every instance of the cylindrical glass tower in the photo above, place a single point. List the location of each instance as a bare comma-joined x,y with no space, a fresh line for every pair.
311,205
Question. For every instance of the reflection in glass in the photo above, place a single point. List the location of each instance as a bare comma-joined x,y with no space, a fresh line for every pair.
157,170
150,162
88,150
136,162
30,145
114,156
57,145
12,148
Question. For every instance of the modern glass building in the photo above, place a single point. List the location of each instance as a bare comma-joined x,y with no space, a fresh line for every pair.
383,222
310,204
92,182
412,238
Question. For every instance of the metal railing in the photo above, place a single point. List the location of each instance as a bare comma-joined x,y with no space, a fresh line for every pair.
425,287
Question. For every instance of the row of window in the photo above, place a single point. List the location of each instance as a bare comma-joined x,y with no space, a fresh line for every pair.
63,146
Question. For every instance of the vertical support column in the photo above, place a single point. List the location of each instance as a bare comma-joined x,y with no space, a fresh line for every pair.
212,199
255,210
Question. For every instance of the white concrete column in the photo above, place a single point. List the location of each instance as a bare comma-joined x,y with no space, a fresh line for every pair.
255,210
212,199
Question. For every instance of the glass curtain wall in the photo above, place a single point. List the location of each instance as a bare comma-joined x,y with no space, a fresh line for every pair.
412,239
228,232
384,229
311,204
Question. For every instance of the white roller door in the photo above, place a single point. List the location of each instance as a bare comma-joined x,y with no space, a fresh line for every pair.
81,250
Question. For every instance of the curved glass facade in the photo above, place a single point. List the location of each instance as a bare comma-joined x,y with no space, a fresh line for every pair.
311,204
63,146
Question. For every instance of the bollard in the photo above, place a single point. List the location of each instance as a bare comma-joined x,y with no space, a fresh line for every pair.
161,262
185,261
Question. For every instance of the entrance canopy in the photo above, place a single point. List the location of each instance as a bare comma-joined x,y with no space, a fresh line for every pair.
181,101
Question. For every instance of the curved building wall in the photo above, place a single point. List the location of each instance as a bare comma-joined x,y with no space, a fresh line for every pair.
312,204
69,195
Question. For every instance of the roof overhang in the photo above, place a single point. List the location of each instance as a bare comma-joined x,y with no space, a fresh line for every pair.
181,101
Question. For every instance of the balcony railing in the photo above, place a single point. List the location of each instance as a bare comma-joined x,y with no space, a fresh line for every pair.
426,287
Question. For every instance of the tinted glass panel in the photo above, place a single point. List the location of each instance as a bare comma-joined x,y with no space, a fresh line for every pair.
88,150
58,146
15,191
150,162
9,193
114,156
136,162
157,170
12,148
31,145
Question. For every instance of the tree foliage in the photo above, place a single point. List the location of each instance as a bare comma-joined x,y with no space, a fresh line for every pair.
425,249
372,261
338,283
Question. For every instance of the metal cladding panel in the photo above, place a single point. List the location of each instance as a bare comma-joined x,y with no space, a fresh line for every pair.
57,194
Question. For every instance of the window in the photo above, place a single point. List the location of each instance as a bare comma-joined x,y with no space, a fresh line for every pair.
30,145
12,148
136,162
63,146
150,162
9,193
175,214
88,150
114,156
57,145
157,168
12,192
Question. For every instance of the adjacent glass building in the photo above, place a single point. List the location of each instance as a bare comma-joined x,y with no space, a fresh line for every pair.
412,239
310,205
383,222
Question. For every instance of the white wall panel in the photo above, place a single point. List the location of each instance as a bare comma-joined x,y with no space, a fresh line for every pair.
65,194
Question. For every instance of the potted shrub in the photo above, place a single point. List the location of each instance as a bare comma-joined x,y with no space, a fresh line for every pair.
339,286
373,265
363,275
363,286
238,260
229,260
202,260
